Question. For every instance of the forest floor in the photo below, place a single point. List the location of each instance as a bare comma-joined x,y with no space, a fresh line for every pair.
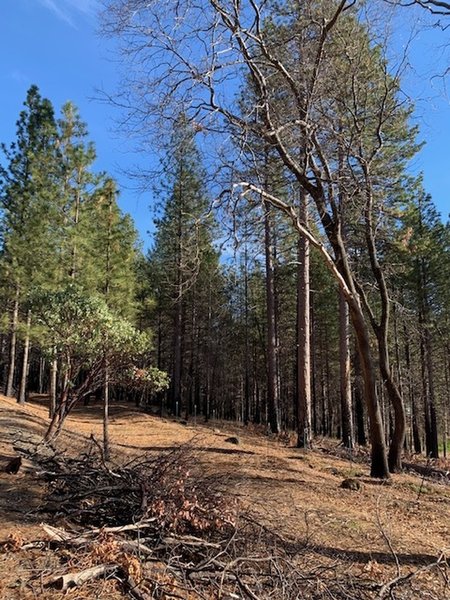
378,532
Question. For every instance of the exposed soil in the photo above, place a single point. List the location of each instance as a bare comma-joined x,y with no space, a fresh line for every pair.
297,493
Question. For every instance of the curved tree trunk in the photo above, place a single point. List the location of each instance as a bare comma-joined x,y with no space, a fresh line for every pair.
59,416
379,466
395,397
341,270
381,331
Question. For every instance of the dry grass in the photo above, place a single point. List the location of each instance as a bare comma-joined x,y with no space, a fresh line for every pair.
294,492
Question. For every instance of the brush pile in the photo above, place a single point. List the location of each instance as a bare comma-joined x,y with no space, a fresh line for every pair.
154,527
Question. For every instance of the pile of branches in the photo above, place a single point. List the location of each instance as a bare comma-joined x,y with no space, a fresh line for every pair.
161,530
159,489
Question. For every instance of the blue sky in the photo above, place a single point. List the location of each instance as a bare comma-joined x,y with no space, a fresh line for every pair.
54,44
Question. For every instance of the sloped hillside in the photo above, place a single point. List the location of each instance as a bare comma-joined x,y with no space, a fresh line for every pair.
375,533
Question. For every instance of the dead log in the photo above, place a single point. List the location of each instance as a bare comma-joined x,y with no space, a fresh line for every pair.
427,471
71,580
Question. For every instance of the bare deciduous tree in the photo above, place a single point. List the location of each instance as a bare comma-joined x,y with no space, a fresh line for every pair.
435,7
338,98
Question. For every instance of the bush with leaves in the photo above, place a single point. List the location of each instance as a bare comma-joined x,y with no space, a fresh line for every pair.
83,335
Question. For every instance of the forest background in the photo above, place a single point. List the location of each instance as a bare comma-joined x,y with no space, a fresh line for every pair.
244,317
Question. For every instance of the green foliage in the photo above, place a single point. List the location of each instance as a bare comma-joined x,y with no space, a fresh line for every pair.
98,243
60,221
29,196
181,280
183,240
81,324
83,333
148,379
111,251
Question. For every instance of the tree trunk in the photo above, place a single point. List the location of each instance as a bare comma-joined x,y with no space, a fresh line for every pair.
178,319
303,336
417,443
176,379
58,417
344,370
106,441
25,364
381,330
447,388
396,400
12,347
431,430
208,378
53,385
415,433
379,466
41,374
247,345
433,447
314,399
272,388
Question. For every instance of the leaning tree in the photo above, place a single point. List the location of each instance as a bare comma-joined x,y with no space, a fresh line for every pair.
325,103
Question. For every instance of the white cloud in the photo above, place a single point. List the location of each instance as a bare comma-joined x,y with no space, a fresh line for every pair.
88,7
67,10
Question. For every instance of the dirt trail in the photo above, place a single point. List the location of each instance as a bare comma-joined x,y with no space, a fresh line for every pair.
297,493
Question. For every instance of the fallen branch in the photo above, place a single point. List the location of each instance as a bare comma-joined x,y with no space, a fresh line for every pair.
70,580
400,579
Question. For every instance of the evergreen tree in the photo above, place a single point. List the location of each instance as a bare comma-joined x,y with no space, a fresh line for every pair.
184,271
424,249
78,184
30,200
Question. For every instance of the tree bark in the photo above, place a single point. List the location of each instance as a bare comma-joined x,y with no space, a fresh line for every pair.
176,380
58,417
53,385
272,388
426,350
344,371
395,397
41,374
304,432
433,440
178,319
379,466
106,440
25,363
381,330
12,346
415,433
359,402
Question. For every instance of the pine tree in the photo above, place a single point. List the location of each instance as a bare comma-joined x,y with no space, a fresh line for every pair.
78,184
29,199
113,254
423,243
184,268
